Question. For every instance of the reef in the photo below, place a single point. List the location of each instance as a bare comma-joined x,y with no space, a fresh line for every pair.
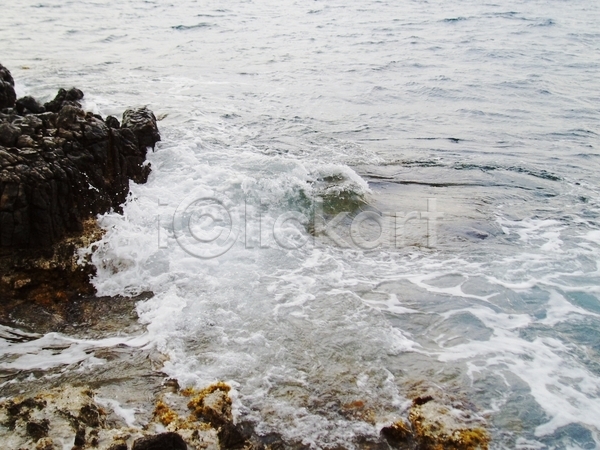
59,168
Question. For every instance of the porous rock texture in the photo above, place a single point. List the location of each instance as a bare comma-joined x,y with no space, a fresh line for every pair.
59,168
70,417
438,420
75,418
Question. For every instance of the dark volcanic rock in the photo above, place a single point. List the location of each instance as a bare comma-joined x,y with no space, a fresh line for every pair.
38,430
6,76
66,167
230,436
60,167
7,89
28,105
63,98
143,124
7,95
80,438
112,122
118,447
9,134
163,441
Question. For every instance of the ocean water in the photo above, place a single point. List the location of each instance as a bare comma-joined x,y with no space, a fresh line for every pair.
277,116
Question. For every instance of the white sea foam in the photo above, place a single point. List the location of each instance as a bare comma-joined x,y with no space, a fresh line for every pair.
196,311
127,414
543,363
282,103
55,349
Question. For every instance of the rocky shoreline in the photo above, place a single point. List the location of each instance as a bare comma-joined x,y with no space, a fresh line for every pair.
59,168
76,418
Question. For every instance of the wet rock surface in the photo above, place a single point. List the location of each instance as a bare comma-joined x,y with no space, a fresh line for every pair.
162,441
70,417
48,276
167,417
59,168
7,89
438,420
88,317
77,418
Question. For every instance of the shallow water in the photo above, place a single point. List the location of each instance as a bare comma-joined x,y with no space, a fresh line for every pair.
490,109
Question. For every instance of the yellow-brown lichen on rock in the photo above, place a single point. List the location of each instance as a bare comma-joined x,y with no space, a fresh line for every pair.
197,434
164,413
210,413
398,432
219,385
438,420
49,276
439,426
70,414
212,403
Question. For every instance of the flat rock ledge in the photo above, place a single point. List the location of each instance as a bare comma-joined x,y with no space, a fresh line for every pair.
76,418
59,168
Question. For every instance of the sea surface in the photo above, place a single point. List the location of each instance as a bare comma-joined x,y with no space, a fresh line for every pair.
462,140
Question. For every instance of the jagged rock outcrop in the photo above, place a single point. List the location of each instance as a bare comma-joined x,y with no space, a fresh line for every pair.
7,88
60,167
